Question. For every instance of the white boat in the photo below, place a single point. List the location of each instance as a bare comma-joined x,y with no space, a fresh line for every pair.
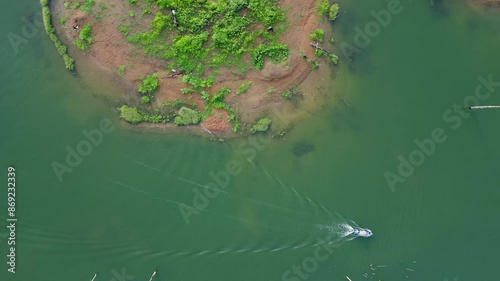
361,232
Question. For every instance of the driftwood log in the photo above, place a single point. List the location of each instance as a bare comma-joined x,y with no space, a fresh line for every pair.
315,46
484,107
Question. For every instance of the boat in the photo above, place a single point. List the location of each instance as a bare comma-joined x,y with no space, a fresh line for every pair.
361,232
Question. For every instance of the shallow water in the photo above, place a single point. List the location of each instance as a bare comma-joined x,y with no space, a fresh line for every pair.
119,208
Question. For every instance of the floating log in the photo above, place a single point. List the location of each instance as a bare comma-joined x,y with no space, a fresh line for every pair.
315,46
484,107
152,276
95,275
344,100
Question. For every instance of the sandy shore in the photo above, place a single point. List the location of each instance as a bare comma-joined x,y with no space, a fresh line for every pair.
110,51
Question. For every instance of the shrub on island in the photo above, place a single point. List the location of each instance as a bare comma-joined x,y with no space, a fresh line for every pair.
333,12
318,35
149,84
131,114
61,49
261,126
187,116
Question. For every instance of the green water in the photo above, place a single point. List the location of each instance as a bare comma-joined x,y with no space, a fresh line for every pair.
119,208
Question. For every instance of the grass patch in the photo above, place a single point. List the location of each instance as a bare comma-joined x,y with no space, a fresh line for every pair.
178,102
291,93
323,7
145,99
334,58
210,34
261,126
121,70
243,87
135,116
318,35
277,52
64,19
88,6
124,29
203,36
187,116
149,84
131,114
85,39
333,11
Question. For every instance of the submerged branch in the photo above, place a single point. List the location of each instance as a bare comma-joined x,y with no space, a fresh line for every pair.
315,46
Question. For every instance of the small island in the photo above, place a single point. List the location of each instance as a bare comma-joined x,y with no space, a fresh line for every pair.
221,64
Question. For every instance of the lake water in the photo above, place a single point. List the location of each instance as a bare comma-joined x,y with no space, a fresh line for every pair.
276,211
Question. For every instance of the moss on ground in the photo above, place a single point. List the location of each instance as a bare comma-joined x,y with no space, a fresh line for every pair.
261,126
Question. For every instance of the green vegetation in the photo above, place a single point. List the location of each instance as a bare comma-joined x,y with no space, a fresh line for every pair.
88,6
124,29
334,58
243,87
131,114
61,48
318,35
315,64
276,52
197,40
288,94
149,84
85,39
212,34
323,7
135,116
261,126
121,69
319,52
333,11
291,93
178,102
64,19
203,36
187,116
145,99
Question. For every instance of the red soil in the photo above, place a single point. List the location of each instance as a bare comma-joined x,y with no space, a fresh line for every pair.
110,51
